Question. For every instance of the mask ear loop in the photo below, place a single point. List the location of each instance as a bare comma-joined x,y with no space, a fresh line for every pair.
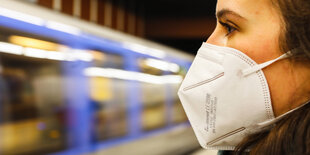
272,121
255,68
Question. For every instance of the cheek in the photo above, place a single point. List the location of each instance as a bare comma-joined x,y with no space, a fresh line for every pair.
258,49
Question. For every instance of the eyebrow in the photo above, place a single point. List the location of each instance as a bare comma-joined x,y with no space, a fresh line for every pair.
224,12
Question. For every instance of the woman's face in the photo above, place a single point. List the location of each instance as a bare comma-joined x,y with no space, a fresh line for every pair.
254,27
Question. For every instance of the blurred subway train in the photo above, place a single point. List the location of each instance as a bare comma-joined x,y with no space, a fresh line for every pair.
71,87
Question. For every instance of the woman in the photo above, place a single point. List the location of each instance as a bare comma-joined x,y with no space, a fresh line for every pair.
249,86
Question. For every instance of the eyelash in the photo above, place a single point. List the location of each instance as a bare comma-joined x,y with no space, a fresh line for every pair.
230,29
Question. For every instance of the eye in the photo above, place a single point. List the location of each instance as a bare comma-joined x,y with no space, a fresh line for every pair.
230,29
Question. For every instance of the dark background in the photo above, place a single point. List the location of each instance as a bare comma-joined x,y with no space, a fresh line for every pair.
180,24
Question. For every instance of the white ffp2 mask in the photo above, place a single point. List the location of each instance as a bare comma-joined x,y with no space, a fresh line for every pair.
225,96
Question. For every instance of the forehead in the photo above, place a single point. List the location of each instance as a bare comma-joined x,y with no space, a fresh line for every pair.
248,8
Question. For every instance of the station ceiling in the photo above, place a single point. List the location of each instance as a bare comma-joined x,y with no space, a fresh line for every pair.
178,8
182,24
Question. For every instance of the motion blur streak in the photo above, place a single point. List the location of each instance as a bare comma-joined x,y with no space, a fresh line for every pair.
10,48
62,27
162,65
21,16
128,75
144,50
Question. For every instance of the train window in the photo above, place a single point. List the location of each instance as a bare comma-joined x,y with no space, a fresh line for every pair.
107,60
153,114
155,111
154,107
154,104
178,113
108,97
32,117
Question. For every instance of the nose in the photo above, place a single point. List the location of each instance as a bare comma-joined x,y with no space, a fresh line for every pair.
216,38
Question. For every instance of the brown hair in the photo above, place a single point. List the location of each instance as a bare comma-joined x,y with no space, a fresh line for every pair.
290,135
296,16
